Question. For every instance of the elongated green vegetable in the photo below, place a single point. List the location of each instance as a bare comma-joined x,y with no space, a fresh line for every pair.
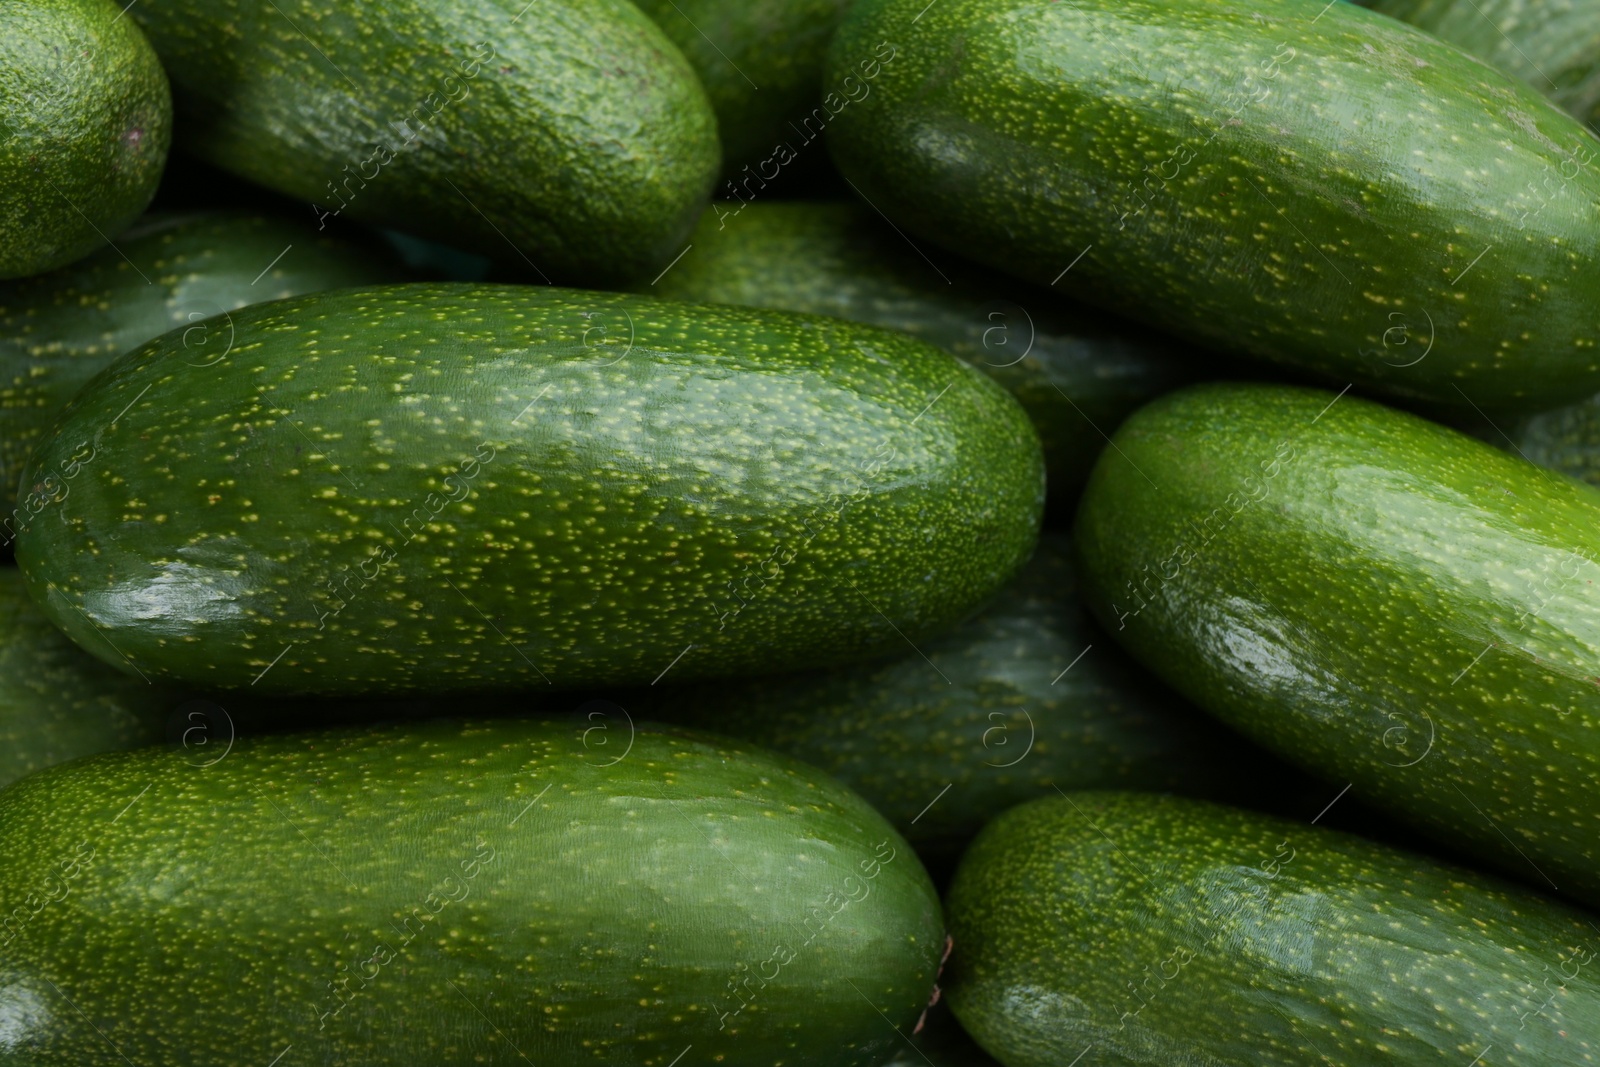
1145,931
452,894
1378,598
1305,182
568,137
452,487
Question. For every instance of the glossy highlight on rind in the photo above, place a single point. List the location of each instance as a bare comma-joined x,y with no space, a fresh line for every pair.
458,893
168,271
85,123
1076,372
1027,695
1309,183
57,702
455,486
1143,931
566,137
1378,598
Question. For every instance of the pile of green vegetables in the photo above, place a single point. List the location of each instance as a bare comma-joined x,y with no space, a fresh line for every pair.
799,533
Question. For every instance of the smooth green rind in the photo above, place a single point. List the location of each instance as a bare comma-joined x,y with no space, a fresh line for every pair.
760,62
58,330
1143,931
1026,696
1553,45
85,123
1312,184
57,702
1378,598
450,895
453,486
569,135
1076,372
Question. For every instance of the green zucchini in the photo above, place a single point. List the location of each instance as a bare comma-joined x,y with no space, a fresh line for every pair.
57,702
566,136
1553,45
453,486
1027,695
761,65
58,330
1304,182
85,124
1386,601
1144,931
451,894
1077,373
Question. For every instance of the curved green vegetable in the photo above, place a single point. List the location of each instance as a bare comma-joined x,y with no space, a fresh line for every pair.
453,486
58,330
569,136
1143,931
1381,599
1553,45
761,64
451,894
1076,372
57,702
85,123
1028,695
1313,184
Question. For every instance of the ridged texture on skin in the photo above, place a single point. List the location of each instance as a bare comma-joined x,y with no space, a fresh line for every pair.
1553,45
1142,931
57,702
85,123
1013,701
1384,600
570,134
1313,184
1076,372
468,894
58,330
759,60
456,486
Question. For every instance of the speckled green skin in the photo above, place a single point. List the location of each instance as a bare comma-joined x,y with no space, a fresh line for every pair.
1376,597
569,135
58,330
1145,931
56,701
470,894
1076,372
85,123
454,486
759,60
1306,183
1553,45
899,732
